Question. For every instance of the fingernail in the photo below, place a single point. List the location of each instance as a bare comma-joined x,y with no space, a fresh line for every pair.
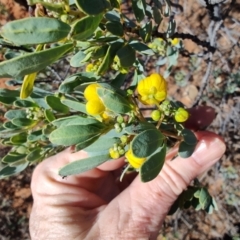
209,151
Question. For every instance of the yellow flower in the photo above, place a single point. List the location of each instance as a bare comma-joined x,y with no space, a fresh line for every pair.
135,162
181,115
175,41
90,92
95,107
152,89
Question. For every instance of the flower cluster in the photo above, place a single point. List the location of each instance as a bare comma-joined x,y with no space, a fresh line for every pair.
152,89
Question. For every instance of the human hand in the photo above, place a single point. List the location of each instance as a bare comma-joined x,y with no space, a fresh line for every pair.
95,205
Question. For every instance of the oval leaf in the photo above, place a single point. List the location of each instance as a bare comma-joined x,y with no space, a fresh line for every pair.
113,101
92,7
23,122
83,165
115,28
32,62
35,30
35,155
146,143
152,167
74,134
139,7
127,56
55,104
77,106
85,27
8,170
189,137
185,150
13,158
11,114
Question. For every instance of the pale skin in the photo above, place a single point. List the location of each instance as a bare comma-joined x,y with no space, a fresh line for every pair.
95,205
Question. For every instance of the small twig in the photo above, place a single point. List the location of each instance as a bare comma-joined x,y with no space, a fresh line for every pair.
204,82
55,73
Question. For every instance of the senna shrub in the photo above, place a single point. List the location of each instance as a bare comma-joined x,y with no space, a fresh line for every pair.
99,109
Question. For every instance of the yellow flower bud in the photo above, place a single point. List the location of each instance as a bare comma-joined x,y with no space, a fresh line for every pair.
156,115
95,107
89,67
175,41
135,162
90,92
181,115
152,89
114,154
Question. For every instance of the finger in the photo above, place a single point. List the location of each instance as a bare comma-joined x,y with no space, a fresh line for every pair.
148,203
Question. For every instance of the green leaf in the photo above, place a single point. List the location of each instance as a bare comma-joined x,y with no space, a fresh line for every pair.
103,143
74,120
9,93
108,59
76,60
115,3
156,15
8,170
115,28
93,7
7,100
19,138
85,144
136,128
11,158
56,104
185,150
32,62
70,83
49,115
85,27
204,198
20,113
23,122
189,137
74,134
146,31
127,56
35,30
167,10
113,101
139,9
83,165
10,125
112,16
35,136
119,80
75,105
99,52
152,167
24,103
141,48
146,143
35,155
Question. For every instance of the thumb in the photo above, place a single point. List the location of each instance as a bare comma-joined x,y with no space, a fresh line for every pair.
150,202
